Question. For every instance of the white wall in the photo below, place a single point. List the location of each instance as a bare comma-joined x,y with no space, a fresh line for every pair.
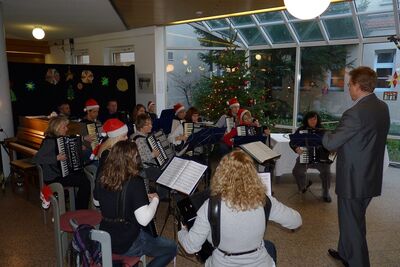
144,42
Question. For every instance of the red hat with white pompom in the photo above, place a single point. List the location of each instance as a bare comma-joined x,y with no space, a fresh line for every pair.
115,128
233,102
45,194
178,107
91,104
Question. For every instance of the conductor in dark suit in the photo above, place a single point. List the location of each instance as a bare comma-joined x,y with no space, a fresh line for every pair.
359,140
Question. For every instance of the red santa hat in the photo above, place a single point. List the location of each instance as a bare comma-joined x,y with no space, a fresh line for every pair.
91,104
115,128
45,194
241,113
178,107
233,102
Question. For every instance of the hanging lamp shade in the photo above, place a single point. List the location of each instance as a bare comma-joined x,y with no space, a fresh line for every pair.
306,9
38,33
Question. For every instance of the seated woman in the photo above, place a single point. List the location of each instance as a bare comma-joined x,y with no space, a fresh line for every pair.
126,209
243,217
48,158
311,121
245,119
115,131
151,170
137,110
234,107
177,136
192,115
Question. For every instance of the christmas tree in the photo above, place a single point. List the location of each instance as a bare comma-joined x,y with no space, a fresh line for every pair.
233,78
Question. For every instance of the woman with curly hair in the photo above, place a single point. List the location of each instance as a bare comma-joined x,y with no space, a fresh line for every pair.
242,216
126,208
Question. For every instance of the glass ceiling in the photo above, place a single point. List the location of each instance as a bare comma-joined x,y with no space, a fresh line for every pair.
357,21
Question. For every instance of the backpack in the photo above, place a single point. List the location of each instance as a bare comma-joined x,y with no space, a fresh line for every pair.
88,250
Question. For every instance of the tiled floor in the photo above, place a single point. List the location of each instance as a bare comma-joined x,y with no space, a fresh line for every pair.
26,241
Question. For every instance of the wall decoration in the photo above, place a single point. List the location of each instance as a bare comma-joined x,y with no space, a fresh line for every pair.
34,95
87,76
30,86
52,76
390,96
122,85
105,81
70,93
13,97
69,76
145,83
394,79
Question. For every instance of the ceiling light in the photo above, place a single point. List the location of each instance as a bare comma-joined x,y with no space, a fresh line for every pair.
38,33
185,62
306,9
258,57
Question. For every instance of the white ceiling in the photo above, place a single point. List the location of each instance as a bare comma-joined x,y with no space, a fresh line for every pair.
61,19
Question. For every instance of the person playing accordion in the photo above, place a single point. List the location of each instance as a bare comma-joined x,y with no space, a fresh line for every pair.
311,123
247,124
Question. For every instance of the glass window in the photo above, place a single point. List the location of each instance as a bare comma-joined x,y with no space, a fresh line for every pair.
337,8
123,58
278,33
341,28
336,78
253,36
269,17
184,74
185,35
308,31
384,66
373,5
276,71
217,23
81,57
323,81
377,24
243,20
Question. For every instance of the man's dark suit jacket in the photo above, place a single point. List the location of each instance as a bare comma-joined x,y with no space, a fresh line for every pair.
360,140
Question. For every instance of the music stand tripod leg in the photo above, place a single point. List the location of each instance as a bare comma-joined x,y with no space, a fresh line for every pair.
172,210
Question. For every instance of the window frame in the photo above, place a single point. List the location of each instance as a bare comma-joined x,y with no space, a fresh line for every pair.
378,65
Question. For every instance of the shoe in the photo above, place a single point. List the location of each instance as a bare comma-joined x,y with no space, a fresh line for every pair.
306,188
334,254
327,199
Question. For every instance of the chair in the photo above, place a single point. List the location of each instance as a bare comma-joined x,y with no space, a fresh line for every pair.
90,173
165,121
25,169
71,192
106,253
62,218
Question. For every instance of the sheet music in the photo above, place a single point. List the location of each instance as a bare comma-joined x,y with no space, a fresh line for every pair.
260,151
182,175
266,179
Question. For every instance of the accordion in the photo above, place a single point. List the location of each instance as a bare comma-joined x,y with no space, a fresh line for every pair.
159,142
230,123
94,131
191,128
314,154
71,146
248,130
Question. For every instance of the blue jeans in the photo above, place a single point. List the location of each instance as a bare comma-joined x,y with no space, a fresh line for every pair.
162,249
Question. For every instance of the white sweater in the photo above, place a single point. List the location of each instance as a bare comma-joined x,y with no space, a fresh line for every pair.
240,231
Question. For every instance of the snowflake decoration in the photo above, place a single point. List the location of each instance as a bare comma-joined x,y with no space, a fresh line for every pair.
30,86
105,81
